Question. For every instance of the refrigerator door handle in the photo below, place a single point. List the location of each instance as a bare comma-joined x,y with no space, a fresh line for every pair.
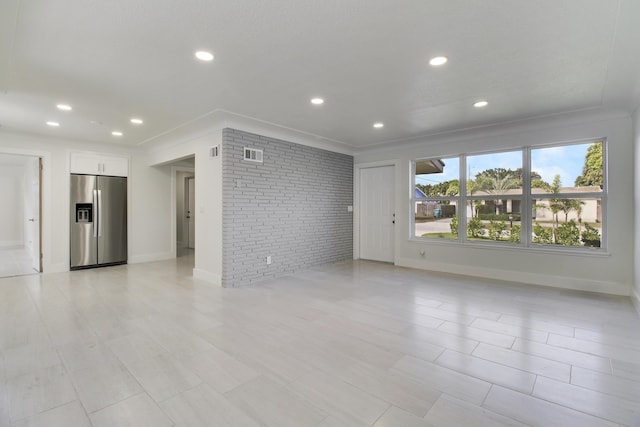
99,213
95,220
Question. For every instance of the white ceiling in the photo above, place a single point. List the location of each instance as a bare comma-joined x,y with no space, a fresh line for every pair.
112,60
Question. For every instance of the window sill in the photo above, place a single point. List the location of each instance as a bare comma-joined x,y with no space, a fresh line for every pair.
505,246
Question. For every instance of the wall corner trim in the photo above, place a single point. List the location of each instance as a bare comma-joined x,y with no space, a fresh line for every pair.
635,299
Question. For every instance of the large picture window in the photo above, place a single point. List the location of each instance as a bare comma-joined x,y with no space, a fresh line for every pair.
551,196
436,198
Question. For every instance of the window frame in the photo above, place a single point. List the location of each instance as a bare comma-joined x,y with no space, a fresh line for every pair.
415,199
526,203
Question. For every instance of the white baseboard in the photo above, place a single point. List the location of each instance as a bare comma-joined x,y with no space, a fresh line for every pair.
562,282
55,268
207,276
161,256
635,298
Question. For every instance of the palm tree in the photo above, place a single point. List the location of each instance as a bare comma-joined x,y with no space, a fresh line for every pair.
472,187
499,185
555,204
568,205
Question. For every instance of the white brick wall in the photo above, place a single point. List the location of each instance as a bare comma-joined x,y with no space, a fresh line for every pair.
292,207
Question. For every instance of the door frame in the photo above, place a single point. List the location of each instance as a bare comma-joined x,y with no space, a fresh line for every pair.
173,214
44,225
187,201
356,201
40,169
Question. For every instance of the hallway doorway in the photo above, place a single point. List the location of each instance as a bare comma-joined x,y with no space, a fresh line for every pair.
20,215
185,207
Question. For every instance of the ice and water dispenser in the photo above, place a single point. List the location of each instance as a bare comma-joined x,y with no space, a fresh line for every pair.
84,212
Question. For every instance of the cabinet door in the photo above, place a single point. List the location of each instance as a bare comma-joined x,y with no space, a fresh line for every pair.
115,166
87,164
96,164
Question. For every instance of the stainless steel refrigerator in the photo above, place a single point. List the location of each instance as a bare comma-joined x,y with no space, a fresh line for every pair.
98,221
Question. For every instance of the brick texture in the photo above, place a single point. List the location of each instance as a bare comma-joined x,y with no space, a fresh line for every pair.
292,207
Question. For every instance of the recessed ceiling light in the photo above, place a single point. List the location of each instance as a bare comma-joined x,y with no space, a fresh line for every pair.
116,133
64,107
136,121
53,124
480,104
438,60
317,101
203,55
378,125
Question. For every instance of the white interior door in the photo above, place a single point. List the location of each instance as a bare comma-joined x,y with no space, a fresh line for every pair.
36,209
191,211
377,216
32,187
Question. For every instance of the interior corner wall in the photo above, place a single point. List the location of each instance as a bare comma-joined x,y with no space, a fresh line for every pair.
635,295
293,207
149,212
607,273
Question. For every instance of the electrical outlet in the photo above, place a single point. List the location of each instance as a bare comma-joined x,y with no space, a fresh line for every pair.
269,260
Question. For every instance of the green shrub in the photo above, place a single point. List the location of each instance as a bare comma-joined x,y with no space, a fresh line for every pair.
485,209
474,227
454,226
591,236
448,211
542,234
568,234
496,229
514,234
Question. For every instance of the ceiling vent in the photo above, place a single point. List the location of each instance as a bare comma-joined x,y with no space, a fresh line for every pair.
253,155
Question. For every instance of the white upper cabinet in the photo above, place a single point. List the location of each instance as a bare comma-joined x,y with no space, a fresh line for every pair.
96,164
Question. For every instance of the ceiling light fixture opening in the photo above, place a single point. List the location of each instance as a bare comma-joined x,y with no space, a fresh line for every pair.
480,104
378,125
438,60
317,101
64,107
136,121
53,124
203,55
116,133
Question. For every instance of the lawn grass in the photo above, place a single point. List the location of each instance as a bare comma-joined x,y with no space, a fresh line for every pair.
441,235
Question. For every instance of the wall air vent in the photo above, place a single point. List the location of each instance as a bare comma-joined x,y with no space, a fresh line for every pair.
253,155
214,151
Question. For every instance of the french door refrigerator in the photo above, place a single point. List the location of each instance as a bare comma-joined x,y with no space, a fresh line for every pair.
98,221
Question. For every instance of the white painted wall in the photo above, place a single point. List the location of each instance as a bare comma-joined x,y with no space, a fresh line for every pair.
150,216
611,273
149,202
635,295
12,209
208,256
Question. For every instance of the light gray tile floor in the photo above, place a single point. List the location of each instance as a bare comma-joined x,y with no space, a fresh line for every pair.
353,343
